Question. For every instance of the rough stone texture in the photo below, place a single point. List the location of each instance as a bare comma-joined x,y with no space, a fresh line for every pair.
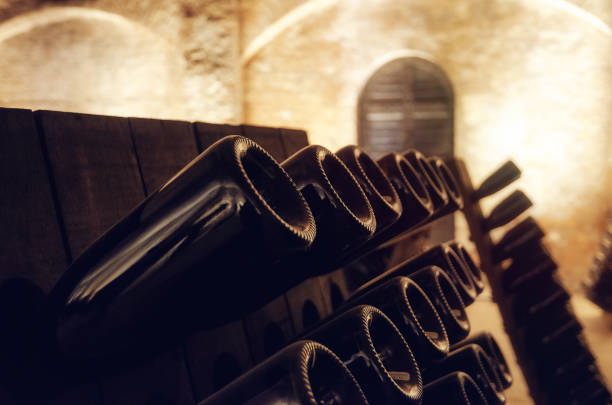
163,59
258,15
531,80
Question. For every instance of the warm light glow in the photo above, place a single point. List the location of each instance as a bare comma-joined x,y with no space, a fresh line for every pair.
531,81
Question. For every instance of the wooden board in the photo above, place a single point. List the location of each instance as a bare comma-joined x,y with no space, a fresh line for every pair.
268,138
99,182
293,140
162,380
215,357
31,237
95,172
269,329
207,134
306,304
334,290
163,148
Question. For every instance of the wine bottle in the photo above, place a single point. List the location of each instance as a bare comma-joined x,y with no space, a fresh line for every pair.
528,264
171,266
303,373
508,209
456,388
500,178
526,232
417,206
442,256
446,299
490,346
342,213
468,261
542,293
472,360
445,258
455,199
373,349
429,177
581,392
378,188
411,310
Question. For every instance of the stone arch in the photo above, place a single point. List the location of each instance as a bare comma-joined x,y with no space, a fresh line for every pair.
408,103
87,60
512,99
416,102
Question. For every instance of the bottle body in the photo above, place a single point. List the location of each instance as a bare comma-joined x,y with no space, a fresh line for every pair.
372,347
304,373
162,269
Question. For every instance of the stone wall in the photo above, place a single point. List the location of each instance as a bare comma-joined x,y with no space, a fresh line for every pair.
167,59
532,82
531,78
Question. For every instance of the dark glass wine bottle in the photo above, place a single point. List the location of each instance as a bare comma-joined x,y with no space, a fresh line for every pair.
581,392
524,233
373,348
417,206
456,388
198,252
429,177
500,178
543,293
455,199
490,346
529,263
509,208
445,258
409,307
472,360
341,210
468,261
441,256
378,188
303,373
444,296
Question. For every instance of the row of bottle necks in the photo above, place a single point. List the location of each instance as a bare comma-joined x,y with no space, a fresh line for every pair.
232,231
401,338
558,359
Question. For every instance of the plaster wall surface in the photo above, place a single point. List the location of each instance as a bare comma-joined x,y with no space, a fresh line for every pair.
164,59
531,82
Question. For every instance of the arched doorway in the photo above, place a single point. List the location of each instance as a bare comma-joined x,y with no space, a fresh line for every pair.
408,103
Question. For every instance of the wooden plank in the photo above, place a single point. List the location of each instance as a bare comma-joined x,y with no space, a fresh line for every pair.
293,140
474,218
95,172
268,138
98,182
269,329
306,304
216,357
162,380
334,290
207,134
31,230
163,148
31,237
